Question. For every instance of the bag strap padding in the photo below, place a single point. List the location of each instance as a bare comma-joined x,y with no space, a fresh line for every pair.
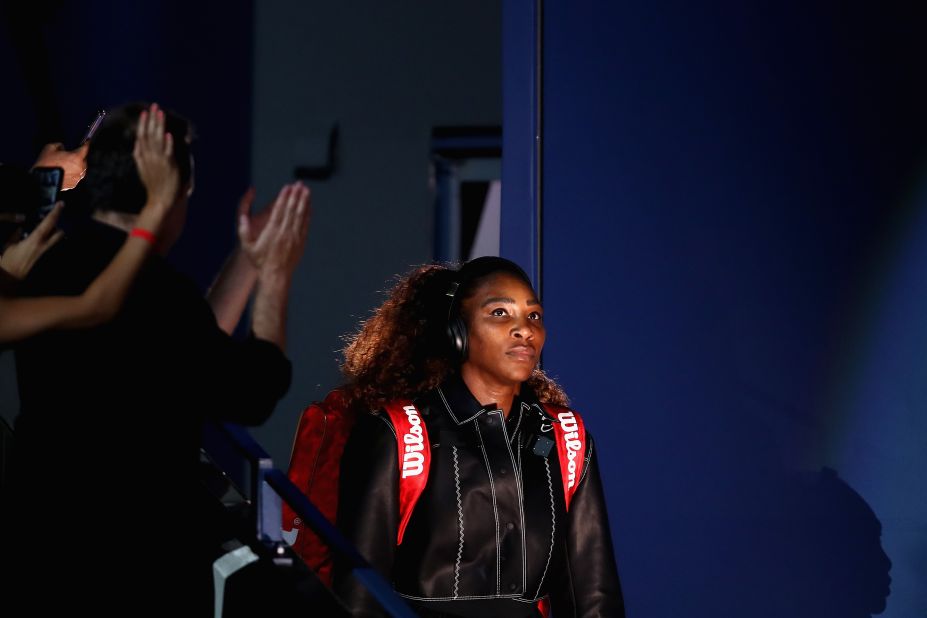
570,434
414,457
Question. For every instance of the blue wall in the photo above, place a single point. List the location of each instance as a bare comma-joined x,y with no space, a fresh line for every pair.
731,201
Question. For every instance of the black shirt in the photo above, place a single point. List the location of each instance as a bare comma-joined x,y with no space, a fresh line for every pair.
108,436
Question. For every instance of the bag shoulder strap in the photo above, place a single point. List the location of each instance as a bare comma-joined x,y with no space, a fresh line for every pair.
414,451
570,434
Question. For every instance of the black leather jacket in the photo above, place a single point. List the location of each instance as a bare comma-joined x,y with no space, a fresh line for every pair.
490,534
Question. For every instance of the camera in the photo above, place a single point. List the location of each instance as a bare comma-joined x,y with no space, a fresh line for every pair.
26,197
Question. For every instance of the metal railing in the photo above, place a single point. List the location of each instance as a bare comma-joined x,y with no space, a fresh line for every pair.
269,485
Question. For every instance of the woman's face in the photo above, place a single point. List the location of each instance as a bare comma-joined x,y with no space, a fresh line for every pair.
505,329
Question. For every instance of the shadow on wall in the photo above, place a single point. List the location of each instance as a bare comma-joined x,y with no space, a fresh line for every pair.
823,552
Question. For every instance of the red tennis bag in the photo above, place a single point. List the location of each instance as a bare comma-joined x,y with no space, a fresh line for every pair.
315,465
315,462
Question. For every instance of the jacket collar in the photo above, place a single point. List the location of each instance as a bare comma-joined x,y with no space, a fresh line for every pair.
463,407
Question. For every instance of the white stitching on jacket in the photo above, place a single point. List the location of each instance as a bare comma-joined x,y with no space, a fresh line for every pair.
521,505
586,463
553,525
388,424
451,412
446,404
513,597
460,524
521,414
495,510
510,597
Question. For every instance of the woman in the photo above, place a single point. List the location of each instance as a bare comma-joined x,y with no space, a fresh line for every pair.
490,534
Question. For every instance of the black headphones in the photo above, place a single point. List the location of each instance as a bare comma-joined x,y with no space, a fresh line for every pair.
456,327
468,273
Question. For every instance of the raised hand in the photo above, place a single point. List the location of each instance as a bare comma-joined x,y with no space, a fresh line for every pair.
274,239
277,249
154,158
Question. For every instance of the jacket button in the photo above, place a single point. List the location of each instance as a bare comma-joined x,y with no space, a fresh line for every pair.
510,526
512,587
503,471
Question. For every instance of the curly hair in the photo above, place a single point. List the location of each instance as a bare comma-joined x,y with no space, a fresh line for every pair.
403,350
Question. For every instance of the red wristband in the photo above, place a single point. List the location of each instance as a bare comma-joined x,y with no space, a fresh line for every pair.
142,233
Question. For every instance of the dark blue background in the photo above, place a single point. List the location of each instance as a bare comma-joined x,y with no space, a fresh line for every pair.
723,188
62,61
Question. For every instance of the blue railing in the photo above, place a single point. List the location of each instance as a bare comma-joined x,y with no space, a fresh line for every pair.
269,485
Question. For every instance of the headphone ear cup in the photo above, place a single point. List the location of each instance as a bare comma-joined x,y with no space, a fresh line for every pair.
457,333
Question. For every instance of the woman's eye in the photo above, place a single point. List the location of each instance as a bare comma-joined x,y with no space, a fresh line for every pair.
534,315
498,312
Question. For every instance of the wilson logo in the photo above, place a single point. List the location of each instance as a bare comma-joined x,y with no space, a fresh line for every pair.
572,442
413,460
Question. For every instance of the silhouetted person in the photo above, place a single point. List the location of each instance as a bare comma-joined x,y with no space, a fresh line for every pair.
818,554
843,541
107,440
